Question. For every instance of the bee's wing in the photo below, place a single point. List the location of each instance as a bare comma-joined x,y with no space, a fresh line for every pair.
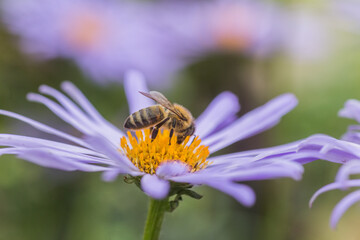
162,100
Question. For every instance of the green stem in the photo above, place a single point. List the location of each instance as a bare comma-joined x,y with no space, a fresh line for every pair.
154,219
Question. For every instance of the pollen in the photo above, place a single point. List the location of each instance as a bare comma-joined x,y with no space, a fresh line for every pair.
147,154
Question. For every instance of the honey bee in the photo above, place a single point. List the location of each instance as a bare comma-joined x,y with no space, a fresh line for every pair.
164,115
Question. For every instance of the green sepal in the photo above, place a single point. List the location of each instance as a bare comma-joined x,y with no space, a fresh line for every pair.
191,194
173,204
130,179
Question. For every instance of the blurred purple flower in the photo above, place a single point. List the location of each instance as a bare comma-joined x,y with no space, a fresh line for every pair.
103,37
107,38
346,151
251,28
221,25
101,147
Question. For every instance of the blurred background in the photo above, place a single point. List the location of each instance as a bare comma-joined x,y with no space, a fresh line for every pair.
191,51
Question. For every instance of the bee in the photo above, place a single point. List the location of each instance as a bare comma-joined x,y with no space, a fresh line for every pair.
165,115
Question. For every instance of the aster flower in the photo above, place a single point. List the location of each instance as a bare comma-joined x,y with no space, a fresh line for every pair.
345,151
221,25
251,28
106,148
161,168
104,38
243,25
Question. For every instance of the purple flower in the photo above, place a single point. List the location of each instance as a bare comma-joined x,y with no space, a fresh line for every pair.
221,25
246,27
346,151
158,164
104,38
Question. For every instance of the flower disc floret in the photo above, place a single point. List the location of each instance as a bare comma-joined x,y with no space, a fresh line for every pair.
147,154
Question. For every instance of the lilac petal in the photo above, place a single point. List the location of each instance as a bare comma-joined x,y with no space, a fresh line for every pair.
72,108
352,167
332,149
110,175
171,169
60,112
133,83
271,171
301,157
249,169
242,193
51,159
223,107
10,140
102,145
333,186
252,123
354,128
79,116
342,206
259,153
351,136
85,104
154,186
79,97
351,110
76,158
43,127
252,170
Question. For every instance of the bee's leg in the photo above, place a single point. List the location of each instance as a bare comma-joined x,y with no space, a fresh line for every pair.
180,139
171,134
155,130
154,133
173,125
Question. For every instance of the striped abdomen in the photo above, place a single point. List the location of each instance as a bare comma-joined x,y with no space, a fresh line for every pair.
145,117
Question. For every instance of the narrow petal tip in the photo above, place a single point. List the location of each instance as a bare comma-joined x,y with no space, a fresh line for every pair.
350,108
314,197
110,176
31,96
43,88
67,85
291,98
342,207
232,99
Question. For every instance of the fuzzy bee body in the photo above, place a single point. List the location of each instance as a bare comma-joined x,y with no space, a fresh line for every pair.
146,117
164,115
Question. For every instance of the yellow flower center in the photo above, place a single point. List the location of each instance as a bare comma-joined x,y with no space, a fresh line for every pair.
147,154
